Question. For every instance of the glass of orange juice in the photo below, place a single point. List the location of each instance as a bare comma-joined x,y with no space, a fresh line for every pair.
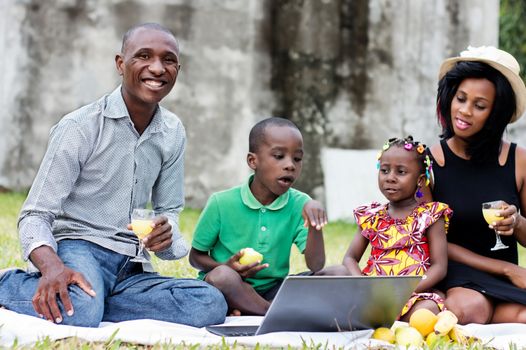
142,225
489,211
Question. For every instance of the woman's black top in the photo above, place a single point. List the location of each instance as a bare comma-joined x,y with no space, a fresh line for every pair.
464,186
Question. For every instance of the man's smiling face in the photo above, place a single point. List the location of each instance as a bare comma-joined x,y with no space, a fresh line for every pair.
149,65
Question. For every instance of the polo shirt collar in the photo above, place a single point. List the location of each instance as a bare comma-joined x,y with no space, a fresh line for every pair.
250,201
116,108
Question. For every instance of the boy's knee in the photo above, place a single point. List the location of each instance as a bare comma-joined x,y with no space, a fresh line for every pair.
222,277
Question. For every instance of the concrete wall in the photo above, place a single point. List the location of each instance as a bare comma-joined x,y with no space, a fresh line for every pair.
351,72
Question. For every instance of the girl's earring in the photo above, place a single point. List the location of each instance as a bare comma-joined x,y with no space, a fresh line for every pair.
419,193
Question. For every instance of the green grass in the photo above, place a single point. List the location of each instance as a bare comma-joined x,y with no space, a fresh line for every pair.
337,236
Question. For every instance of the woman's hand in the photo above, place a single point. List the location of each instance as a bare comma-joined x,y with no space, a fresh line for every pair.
507,226
517,275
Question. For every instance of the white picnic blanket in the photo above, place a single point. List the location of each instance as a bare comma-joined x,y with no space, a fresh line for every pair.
28,330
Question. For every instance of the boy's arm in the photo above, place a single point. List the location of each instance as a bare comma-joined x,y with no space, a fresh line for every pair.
315,218
436,235
204,262
354,253
201,260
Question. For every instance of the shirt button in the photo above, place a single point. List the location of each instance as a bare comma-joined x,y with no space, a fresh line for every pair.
263,210
263,228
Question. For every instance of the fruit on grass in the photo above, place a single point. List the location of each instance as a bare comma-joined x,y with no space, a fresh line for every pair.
408,336
446,321
250,256
384,334
458,335
423,320
434,340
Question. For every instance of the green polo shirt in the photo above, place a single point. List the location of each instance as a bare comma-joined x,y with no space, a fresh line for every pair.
234,219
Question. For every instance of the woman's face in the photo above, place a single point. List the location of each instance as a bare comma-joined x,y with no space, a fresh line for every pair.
471,106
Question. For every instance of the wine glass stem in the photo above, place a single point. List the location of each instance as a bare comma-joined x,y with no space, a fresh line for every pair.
141,248
499,241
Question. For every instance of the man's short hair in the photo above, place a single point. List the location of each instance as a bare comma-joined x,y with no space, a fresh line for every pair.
155,26
257,134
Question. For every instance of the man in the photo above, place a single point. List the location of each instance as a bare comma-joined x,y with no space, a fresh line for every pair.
103,160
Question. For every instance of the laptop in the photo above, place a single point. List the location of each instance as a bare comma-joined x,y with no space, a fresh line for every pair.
330,304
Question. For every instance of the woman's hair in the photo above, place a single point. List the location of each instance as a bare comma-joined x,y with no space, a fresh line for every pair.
484,146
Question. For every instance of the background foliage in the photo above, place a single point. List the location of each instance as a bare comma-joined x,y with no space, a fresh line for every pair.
512,30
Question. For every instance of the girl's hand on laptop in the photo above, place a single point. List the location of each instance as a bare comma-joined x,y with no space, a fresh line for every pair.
314,215
245,271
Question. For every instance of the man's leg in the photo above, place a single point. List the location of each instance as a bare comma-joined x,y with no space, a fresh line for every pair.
148,295
17,287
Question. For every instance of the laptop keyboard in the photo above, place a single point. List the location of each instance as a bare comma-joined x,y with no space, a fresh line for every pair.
232,331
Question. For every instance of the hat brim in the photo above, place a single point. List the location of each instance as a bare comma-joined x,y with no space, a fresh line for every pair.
515,81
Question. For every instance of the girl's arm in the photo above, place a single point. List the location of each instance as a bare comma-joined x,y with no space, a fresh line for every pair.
436,235
355,252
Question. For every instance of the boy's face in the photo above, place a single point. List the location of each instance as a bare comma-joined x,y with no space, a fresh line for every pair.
399,174
277,163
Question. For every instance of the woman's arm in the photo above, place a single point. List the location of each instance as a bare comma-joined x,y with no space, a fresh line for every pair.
519,224
515,273
354,253
436,235
514,223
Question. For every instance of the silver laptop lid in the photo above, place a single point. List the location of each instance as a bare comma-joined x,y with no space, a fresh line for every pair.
337,303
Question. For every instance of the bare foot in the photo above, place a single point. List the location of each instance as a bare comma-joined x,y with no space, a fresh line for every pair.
235,312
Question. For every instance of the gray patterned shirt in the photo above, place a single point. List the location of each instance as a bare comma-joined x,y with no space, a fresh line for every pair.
97,168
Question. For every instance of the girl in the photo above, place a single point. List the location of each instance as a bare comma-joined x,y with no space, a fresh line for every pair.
479,94
406,238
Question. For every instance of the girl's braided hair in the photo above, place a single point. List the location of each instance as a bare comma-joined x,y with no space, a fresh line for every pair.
411,145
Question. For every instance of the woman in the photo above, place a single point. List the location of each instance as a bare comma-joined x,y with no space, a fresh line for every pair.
479,94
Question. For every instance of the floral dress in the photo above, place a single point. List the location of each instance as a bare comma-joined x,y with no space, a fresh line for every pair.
400,246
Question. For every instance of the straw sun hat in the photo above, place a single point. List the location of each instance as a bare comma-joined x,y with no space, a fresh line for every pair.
501,61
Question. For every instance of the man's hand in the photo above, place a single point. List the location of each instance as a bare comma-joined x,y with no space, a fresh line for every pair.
245,271
161,236
55,284
314,215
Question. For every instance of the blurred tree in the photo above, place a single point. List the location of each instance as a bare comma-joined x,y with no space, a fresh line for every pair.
512,30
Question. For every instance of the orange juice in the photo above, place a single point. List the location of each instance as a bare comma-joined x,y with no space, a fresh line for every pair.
142,228
490,215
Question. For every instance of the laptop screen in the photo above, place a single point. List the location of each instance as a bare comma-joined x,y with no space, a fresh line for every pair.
337,303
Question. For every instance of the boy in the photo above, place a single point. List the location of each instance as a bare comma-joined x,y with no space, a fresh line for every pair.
265,214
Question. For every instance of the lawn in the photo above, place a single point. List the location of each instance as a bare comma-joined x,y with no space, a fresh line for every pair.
337,237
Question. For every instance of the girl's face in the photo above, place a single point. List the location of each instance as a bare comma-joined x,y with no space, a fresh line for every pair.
399,174
471,106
